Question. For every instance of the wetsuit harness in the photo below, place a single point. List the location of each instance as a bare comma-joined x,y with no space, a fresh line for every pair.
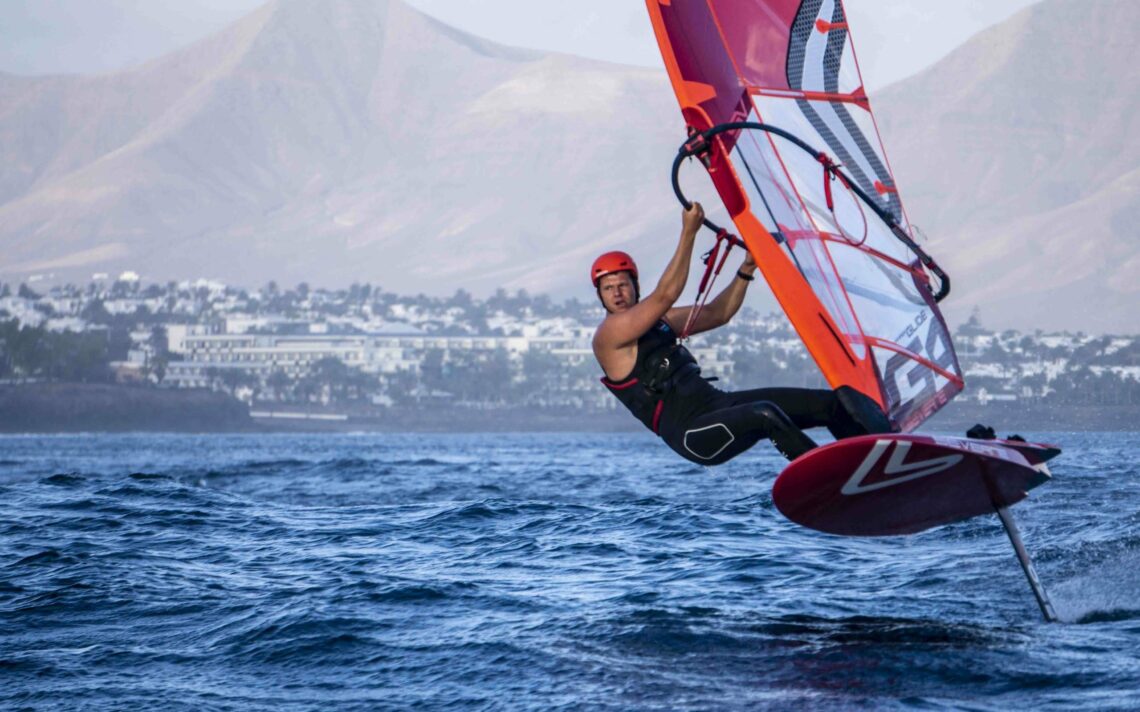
661,363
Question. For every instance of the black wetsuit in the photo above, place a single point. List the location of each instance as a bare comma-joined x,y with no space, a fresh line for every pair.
706,425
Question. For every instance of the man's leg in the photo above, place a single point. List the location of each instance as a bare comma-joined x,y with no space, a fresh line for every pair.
845,411
720,435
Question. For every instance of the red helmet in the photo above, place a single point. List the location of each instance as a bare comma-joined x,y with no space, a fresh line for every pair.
612,262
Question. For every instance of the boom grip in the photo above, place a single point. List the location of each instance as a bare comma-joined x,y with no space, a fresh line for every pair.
686,152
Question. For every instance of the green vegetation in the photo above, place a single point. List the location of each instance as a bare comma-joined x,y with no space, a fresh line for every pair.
29,352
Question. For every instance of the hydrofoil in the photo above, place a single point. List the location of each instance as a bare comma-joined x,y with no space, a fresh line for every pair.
896,484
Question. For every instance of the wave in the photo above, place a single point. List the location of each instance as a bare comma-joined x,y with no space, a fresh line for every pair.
64,480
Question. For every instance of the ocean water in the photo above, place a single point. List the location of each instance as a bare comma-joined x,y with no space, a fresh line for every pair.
536,571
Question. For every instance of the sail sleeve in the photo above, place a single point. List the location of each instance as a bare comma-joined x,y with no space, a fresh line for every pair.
856,294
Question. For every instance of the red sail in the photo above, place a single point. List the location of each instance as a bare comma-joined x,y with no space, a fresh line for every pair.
858,296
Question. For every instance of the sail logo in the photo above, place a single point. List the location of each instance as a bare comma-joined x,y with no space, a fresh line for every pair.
896,467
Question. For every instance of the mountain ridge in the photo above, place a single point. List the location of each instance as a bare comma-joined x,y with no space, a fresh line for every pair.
355,141
1010,155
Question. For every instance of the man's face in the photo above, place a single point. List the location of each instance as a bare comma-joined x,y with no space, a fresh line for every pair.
617,292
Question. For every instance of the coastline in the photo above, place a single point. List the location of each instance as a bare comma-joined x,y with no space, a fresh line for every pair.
99,407
83,407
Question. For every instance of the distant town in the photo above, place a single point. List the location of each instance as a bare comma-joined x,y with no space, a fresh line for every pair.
361,352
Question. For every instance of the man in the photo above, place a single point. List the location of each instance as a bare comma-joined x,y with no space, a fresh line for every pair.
659,380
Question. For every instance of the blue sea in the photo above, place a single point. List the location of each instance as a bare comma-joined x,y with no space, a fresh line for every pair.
538,572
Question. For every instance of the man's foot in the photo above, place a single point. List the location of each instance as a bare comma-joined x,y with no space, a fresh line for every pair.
981,432
861,415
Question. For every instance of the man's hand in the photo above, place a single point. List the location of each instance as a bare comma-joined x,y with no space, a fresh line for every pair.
692,219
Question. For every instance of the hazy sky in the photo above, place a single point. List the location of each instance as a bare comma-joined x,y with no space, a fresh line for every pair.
894,38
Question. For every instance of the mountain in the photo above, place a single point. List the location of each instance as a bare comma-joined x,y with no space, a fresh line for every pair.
1016,155
360,140
351,140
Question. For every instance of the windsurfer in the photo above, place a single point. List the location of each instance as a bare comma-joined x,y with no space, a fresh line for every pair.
655,376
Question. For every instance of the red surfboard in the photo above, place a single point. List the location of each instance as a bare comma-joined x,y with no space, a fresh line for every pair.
883,485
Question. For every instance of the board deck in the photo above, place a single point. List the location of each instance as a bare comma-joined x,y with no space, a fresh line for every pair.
883,485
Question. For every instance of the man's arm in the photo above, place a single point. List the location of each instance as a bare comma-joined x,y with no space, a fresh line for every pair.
622,330
720,310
